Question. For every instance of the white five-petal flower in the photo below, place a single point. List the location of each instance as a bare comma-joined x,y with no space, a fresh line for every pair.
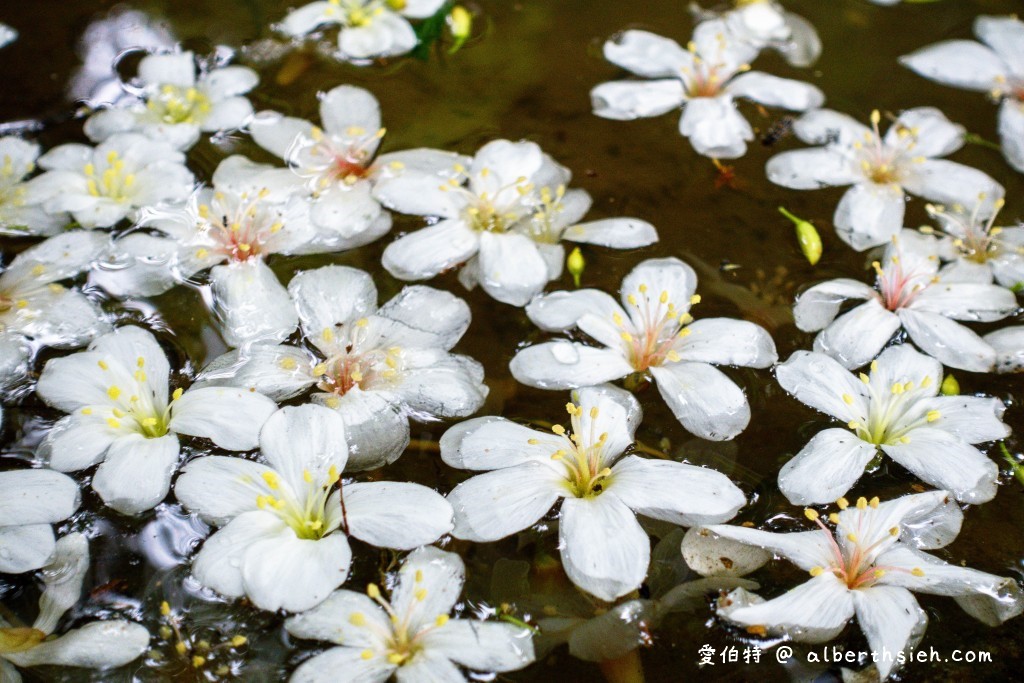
104,185
34,307
369,28
503,217
895,409
176,104
995,67
30,502
21,212
766,24
96,645
911,294
411,636
604,549
124,416
340,163
702,80
881,168
286,518
868,564
377,367
652,331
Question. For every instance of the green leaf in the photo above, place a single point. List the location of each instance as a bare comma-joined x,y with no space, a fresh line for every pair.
430,31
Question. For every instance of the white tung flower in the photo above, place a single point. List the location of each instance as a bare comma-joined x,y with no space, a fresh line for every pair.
911,294
868,563
997,67
104,185
21,212
369,28
96,645
504,218
251,213
37,311
896,410
766,24
30,502
176,104
978,250
604,549
881,168
286,518
124,416
411,637
340,164
376,367
653,332
702,80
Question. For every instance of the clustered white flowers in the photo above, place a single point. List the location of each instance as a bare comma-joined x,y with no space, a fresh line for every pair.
278,445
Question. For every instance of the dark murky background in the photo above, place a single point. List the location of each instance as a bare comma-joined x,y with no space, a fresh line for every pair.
527,74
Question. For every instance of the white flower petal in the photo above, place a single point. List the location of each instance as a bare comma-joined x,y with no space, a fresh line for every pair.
396,515
947,182
629,100
966,301
76,442
482,645
1008,344
24,548
857,336
440,574
674,492
725,341
347,106
376,426
703,399
331,621
343,665
304,438
251,303
178,68
647,54
435,383
430,317
950,342
811,169
566,365
427,667
821,382
386,35
869,214
276,133
306,18
331,295
229,417
512,270
773,91
934,134
604,550
824,126
617,233
826,468
36,497
658,275
813,612
62,578
1005,35
294,574
136,473
1011,132
425,253
97,645
891,620
961,63
805,549
218,564
490,443
974,419
709,554
219,488
138,264
715,127
561,311
497,504
817,307
277,371
946,462
346,212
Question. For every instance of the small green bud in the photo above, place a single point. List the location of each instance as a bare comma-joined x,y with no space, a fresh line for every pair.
575,265
460,23
807,235
950,387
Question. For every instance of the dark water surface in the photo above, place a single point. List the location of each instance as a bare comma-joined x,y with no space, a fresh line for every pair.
526,75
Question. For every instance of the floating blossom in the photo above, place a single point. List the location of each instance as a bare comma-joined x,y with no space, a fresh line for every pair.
104,185
285,519
703,80
96,645
177,104
865,563
881,168
1009,347
911,294
21,212
896,410
765,24
341,167
8,35
37,311
251,213
124,416
978,250
604,550
997,68
651,332
369,28
376,367
503,218
30,502
412,636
